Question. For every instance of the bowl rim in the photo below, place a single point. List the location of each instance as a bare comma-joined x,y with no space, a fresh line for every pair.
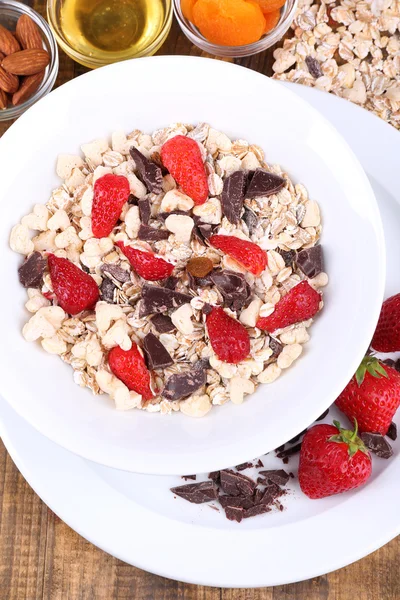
51,71
93,62
196,462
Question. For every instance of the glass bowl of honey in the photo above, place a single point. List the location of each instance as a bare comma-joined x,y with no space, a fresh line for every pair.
99,32
211,16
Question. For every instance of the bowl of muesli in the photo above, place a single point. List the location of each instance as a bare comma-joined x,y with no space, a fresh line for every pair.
170,225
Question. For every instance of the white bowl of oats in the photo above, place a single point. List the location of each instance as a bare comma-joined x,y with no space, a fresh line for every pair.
181,271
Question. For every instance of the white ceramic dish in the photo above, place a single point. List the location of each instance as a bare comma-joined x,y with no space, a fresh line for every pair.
124,513
243,104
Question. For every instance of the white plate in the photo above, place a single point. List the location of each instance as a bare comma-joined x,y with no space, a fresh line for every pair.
137,519
144,93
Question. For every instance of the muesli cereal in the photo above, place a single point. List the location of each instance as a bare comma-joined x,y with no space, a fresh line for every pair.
174,271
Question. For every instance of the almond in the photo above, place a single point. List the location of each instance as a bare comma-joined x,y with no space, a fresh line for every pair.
8,82
28,33
28,87
8,43
3,100
26,62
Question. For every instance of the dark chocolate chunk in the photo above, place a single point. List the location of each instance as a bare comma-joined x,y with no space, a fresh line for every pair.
186,477
280,448
144,210
397,365
254,511
271,493
170,282
250,218
259,464
203,230
392,431
310,261
236,484
288,256
234,513
323,415
107,290
85,268
232,196
233,286
278,476
243,466
157,355
157,299
149,172
257,496
181,385
214,476
239,501
197,493
120,274
389,362
275,346
163,216
313,66
151,234
297,437
163,323
377,443
31,271
264,183
132,200
207,308
285,454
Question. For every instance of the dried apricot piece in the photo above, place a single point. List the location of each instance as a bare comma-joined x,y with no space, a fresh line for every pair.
229,22
187,9
271,20
199,266
268,6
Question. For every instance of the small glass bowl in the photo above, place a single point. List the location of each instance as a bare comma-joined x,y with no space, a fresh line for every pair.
10,11
93,62
269,39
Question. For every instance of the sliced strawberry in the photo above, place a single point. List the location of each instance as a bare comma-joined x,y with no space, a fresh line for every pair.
130,368
147,265
249,255
110,194
387,334
181,156
229,338
299,304
75,290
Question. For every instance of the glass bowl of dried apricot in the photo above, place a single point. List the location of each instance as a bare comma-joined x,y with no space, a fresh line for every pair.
234,28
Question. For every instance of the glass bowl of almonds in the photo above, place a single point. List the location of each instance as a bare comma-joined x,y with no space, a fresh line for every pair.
28,58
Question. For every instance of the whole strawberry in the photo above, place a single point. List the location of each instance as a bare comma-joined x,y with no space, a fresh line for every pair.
372,396
130,368
332,460
387,333
181,156
74,289
110,194
229,338
147,265
299,304
249,255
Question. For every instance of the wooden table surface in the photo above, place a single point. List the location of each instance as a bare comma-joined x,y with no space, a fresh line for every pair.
41,557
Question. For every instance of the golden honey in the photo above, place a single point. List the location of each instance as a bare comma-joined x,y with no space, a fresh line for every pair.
111,30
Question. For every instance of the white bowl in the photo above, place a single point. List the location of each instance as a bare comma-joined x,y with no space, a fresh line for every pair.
150,93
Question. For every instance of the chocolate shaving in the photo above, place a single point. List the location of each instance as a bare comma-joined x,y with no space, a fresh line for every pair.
197,493
236,484
149,172
157,355
181,385
107,289
144,210
310,261
163,216
120,274
186,477
288,256
233,287
254,511
133,200
163,323
277,476
297,437
157,299
31,271
233,513
264,183
251,220
243,466
170,282
377,444
259,464
232,196
286,454
313,66
202,230
392,431
324,414
276,347
151,234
